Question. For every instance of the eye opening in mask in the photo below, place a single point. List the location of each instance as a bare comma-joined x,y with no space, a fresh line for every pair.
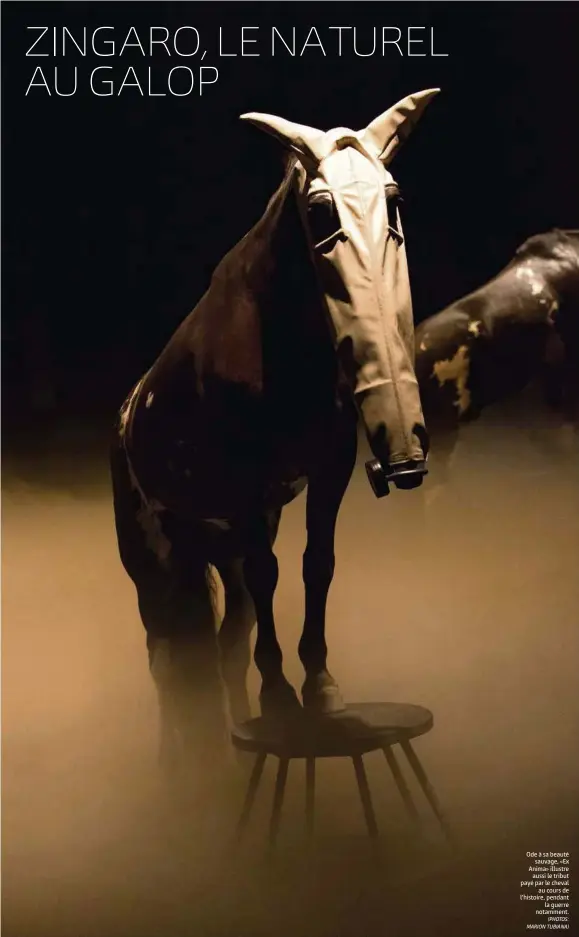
324,221
393,201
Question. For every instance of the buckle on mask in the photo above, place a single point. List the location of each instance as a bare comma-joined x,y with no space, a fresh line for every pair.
393,202
396,235
328,242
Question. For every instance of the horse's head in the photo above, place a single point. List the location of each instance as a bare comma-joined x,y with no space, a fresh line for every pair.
349,203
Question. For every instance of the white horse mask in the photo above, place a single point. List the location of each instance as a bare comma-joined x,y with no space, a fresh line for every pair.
349,204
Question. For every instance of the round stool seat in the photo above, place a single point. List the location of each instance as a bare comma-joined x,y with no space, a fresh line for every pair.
361,728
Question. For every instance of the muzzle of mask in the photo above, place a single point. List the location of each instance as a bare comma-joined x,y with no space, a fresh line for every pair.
367,294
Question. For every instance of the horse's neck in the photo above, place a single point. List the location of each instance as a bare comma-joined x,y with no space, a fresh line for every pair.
296,339
290,294
268,286
260,324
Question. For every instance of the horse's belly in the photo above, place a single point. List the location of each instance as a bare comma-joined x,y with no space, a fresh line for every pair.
206,483
206,487
219,463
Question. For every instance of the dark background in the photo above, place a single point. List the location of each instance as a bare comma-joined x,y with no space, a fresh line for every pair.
463,599
117,209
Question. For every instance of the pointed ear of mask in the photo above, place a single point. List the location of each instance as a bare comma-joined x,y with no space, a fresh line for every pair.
306,142
384,136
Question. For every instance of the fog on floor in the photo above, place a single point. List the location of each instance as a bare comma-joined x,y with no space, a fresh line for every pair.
463,597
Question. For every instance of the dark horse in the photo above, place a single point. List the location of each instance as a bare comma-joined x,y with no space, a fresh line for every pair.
306,326
521,326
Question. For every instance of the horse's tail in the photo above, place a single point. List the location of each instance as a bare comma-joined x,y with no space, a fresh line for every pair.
211,583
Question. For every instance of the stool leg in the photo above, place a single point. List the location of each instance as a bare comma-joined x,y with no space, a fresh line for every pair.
278,801
310,794
254,780
401,783
365,797
426,786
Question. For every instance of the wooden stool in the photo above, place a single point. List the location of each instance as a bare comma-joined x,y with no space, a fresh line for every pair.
362,728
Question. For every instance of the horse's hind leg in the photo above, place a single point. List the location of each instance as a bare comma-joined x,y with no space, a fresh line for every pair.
176,607
234,638
179,620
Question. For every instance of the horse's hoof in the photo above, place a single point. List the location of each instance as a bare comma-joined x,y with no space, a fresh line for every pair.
278,699
321,694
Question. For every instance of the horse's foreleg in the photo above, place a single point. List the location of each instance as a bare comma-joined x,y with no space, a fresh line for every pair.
260,569
326,489
234,638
